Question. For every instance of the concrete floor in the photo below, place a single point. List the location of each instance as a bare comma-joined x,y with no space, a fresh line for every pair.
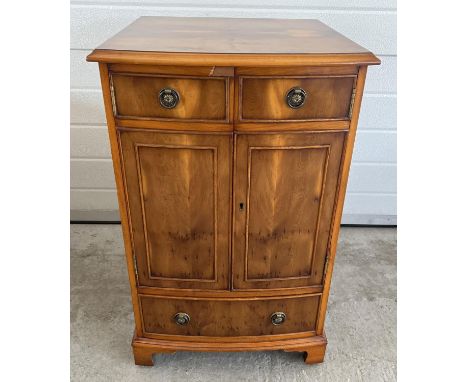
361,323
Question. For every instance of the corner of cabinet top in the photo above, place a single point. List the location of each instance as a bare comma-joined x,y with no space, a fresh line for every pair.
230,42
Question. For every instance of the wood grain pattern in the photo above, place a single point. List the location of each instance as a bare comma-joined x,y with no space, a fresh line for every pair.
294,71
199,71
287,183
340,197
226,59
313,347
172,178
247,127
225,294
179,192
231,317
231,339
136,96
122,196
265,98
180,126
230,42
143,352
313,354
231,202
294,205
231,35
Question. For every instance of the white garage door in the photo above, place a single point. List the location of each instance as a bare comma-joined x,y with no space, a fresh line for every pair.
371,196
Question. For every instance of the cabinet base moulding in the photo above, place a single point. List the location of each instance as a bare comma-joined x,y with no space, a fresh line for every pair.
312,347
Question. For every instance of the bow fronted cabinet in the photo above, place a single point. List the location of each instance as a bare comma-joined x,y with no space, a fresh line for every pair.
231,141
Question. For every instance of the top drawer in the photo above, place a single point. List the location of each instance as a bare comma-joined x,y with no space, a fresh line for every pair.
146,96
295,98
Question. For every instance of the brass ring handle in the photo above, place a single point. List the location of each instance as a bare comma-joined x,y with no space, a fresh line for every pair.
168,98
278,318
182,319
296,97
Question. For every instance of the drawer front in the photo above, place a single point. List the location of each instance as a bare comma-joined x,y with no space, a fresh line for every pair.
224,318
296,98
170,98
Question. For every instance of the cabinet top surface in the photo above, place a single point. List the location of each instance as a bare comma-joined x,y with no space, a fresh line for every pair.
230,35
151,36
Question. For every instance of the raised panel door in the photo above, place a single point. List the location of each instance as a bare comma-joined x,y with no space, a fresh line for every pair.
284,196
178,189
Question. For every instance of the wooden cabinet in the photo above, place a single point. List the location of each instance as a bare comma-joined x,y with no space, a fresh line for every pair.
231,141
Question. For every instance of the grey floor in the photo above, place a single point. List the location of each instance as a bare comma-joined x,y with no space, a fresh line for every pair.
361,323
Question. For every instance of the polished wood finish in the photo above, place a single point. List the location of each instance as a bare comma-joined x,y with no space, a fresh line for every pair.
237,60
284,196
179,71
230,42
143,352
122,195
264,99
314,354
228,317
178,188
137,96
296,71
298,127
346,164
231,293
312,347
173,126
230,35
231,202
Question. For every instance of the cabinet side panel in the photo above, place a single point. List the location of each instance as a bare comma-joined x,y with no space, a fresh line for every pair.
119,180
343,181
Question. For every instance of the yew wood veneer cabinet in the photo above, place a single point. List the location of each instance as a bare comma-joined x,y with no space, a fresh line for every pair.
231,141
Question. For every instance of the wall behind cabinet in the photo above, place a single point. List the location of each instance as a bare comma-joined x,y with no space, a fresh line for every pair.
371,196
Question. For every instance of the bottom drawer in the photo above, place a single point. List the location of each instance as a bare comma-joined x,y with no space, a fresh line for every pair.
223,318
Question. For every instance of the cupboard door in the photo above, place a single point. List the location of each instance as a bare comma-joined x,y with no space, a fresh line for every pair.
284,197
178,189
